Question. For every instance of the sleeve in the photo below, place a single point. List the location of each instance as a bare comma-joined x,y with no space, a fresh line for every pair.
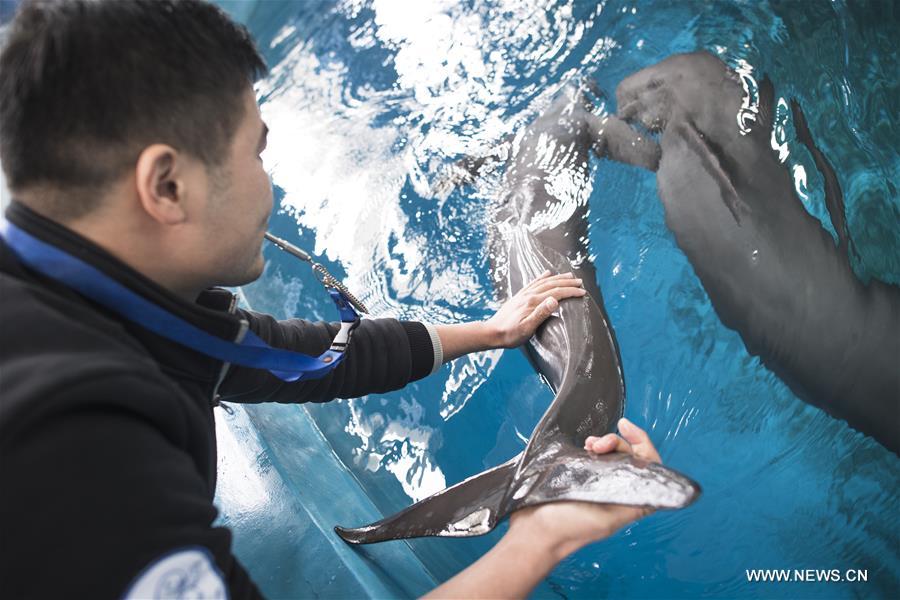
108,503
383,355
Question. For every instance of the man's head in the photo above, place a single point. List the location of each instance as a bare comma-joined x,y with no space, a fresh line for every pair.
111,106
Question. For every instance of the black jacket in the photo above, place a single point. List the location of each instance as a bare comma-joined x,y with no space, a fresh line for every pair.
107,439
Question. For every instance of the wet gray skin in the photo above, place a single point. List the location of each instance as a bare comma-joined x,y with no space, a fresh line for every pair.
575,350
772,272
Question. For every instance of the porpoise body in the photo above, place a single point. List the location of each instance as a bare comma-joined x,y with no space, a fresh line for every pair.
771,270
575,350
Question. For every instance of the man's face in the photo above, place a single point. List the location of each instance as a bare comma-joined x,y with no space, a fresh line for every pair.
239,204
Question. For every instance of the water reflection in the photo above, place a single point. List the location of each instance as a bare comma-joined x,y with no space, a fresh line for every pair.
402,446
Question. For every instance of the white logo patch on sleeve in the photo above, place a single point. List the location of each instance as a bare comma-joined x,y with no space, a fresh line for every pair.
189,573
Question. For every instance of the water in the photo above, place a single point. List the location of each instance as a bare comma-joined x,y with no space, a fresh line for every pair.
367,101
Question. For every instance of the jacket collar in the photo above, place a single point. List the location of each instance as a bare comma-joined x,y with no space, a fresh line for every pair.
212,311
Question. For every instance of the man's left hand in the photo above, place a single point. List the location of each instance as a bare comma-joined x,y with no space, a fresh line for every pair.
521,315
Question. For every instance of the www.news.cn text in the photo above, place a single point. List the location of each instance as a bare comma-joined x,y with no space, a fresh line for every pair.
807,575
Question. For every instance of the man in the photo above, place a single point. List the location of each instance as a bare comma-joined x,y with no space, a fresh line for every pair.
131,142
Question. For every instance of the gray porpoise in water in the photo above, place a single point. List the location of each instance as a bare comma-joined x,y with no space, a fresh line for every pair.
772,272
575,350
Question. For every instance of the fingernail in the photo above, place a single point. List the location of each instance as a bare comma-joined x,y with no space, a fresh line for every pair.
582,292
626,426
578,281
551,303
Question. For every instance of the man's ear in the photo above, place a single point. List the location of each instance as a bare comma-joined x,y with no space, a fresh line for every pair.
161,183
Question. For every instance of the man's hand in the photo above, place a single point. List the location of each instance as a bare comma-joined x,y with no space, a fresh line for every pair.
540,536
564,527
515,322
521,315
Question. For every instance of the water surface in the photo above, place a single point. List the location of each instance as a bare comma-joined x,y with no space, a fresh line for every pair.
367,101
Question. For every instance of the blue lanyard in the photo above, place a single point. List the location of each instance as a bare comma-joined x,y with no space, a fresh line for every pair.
251,351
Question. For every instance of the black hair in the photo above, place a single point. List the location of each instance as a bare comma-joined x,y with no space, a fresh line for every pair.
85,85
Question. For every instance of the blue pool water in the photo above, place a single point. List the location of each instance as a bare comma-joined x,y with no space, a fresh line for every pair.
366,101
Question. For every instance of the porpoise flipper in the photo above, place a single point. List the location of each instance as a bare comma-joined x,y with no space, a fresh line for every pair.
617,478
471,507
834,196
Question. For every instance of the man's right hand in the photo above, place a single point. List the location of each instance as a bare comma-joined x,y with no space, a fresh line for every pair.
541,536
564,527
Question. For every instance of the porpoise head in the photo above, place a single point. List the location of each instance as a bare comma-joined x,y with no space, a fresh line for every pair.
696,86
